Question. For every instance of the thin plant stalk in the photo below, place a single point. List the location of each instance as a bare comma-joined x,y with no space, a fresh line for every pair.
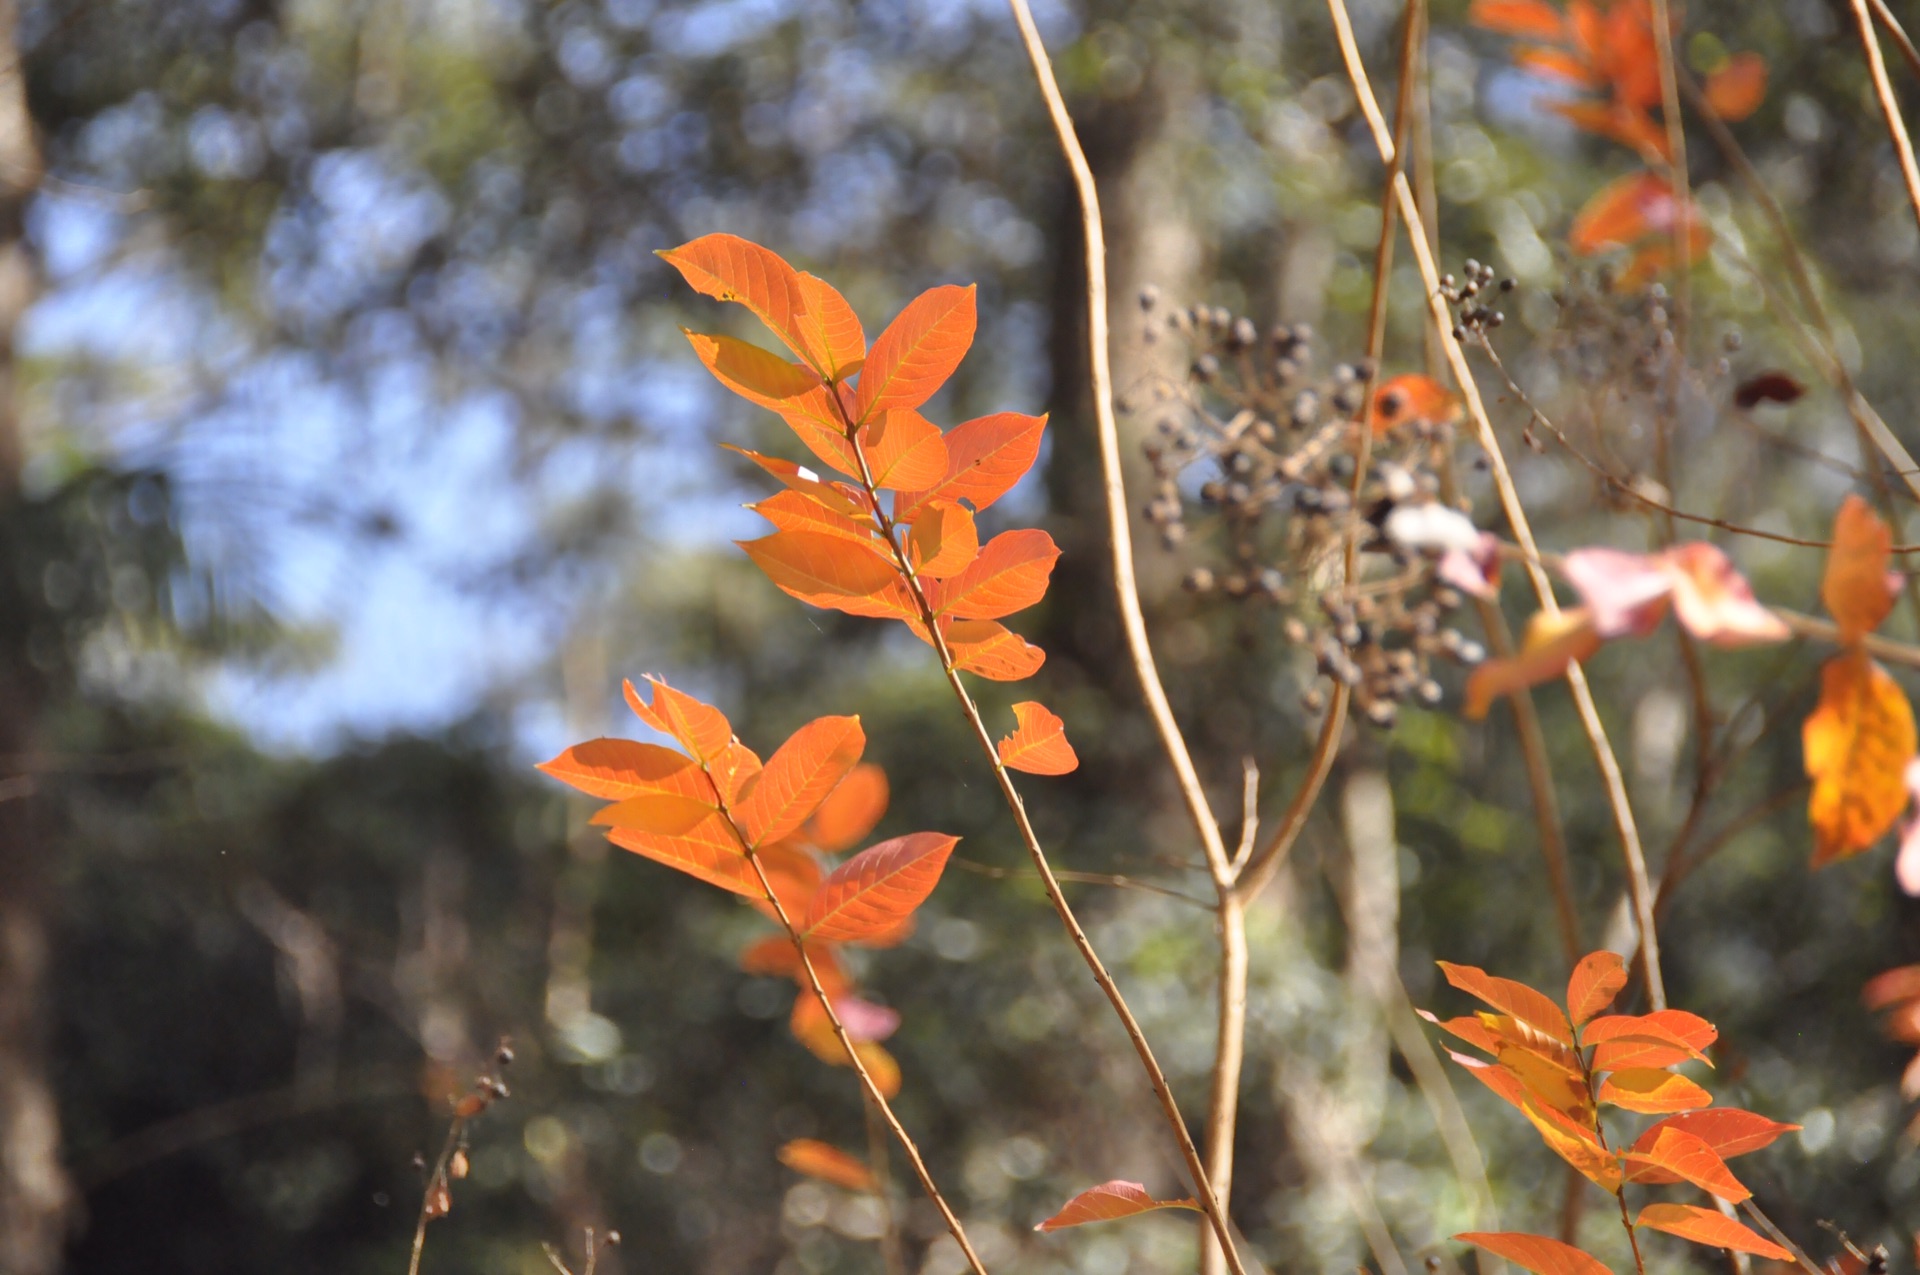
1889,105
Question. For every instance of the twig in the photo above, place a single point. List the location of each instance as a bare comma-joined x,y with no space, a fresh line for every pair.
1249,814
1898,34
1639,885
891,1257
1680,866
1889,105
1780,1238
1118,880
437,1198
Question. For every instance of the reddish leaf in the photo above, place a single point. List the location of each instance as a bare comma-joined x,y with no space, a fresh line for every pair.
1857,743
1652,1091
1689,1158
702,729
1659,1039
804,481
665,813
1767,387
1729,1131
850,810
1892,987
986,456
1467,1027
1557,64
620,768
905,451
1517,999
1736,90
1625,593
1551,644
812,564
870,893
1714,602
831,329
707,853
1038,744
1529,19
796,511
1596,980
918,351
1855,587
1630,125
829,1164
775,957
751,372
1109,1202
729,268
1009,575
799,775
1622,213
1706,1226
1536,1253
944,541
986,648
1413,399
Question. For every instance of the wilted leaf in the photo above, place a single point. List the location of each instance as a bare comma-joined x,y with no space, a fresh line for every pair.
620,768
1736,90
851,810
1038,744
1109,1202
1509,997
943,540
799,775
986,456
1536,1253
1552,643
1767,387
1855,587
1706,1226
830,1164
987,648
918,351
905,450
1689,1158
702,729
1596,980
1528,19
870,893
1010,574
1652,1091
1411,399
1857,743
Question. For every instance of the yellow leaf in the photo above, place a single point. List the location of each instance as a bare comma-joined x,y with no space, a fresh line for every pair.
1857,742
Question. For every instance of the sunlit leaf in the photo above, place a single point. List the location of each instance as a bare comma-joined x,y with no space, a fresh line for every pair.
1631,126
830,329
729,268
905,450
620,768
918,351
702,729
1625,593
1652,1091
870,893
1729,1131
1709,1227
1413,399
753,373
1509,997
1038,743
828,1163
812,1029
987,648
1536,1253
810,563
799,775
1689,1158
851,810
803,480
669,814
1109,1202
795,511
1857,743
1596,980
1855,587
986,456
1660,1039
706,852
1467,1027
1010,574
734,772
1714,602
1552,642
1529,19
775,957
943,540
1736,90
1624,212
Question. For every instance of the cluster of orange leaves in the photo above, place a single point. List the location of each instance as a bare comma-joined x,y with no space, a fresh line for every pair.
1560,1067
896,537
1607,52
1859,741
716,813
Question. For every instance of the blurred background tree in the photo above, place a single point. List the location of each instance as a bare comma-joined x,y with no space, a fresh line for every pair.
351,457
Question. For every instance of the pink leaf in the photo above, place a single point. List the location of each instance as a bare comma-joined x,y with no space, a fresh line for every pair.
1714,602
1906,866
1626,593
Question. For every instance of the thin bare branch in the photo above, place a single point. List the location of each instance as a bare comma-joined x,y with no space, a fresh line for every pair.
1889,105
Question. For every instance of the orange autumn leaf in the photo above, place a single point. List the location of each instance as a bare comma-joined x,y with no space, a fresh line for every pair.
1552,643
812,565
621,768
1729,1131
1529,19
1595,981
1736,90
1038,744
1624,212
1558,64
664,813
795,511
943,540
1660,1039
1108,1202
817,1159
1010,574
803,480
799,775
830,328
762,378
1411,399
1857,743
1652,1091
987,648
1536,1253
702,729
730,268
1706,1226
870,894
918,351
1689,1158
812,1028
1629,125
1516,999
1855,589
851,810
702,857
1714,602
986,456
905,451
